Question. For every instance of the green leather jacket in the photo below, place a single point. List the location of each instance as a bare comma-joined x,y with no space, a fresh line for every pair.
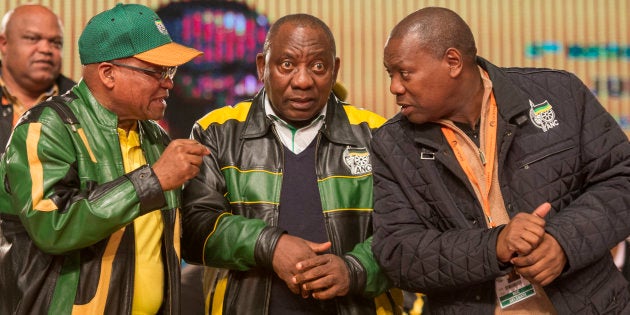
243,176
66,245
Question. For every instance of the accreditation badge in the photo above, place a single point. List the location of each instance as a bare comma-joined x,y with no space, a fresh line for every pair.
513,288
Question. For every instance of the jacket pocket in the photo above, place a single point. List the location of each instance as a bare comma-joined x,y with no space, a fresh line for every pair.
545,153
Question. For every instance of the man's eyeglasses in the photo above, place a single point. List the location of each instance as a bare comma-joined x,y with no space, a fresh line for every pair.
167,72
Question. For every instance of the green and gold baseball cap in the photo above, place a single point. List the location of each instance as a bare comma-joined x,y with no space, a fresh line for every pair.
131,30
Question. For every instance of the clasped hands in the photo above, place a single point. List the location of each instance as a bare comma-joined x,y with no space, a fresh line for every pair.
308,270
535,254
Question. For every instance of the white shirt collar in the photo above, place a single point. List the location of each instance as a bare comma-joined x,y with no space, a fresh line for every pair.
294,139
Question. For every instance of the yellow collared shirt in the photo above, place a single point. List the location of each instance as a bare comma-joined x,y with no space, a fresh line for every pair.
148,291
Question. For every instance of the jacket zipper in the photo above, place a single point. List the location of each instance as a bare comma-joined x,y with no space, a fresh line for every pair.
526,165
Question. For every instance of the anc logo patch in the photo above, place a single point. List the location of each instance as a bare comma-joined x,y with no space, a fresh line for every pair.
542,115
357,160
160,26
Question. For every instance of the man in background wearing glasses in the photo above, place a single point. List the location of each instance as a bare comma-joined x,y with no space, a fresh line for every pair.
90,222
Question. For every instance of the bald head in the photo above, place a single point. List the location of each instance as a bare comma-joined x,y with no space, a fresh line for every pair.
299,20
436,30
12,18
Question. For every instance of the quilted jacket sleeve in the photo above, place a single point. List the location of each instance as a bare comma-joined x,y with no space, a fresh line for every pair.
599,217
410,245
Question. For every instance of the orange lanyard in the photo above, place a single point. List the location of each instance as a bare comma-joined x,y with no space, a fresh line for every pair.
490,147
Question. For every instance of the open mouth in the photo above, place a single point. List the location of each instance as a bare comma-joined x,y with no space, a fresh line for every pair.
405,109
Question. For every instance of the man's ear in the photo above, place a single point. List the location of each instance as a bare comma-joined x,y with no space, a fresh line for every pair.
260,66
107,74
454,60
336,71
3,43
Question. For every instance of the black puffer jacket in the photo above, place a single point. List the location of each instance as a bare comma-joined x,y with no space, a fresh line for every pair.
430,234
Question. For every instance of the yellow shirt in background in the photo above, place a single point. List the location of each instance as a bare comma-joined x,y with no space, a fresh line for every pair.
148,289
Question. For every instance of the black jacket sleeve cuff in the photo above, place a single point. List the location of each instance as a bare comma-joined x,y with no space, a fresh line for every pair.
266,245
357,273
148,188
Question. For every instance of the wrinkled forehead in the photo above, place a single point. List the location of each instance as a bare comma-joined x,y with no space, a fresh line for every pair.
303,37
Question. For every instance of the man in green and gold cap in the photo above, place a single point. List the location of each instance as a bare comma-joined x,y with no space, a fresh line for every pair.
89,220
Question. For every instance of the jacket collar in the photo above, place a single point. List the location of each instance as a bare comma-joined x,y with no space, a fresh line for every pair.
336,127
105,116
512,102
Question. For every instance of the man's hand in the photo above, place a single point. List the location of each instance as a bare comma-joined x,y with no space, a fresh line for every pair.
522,234
544,264
179,162
327,276
289,251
